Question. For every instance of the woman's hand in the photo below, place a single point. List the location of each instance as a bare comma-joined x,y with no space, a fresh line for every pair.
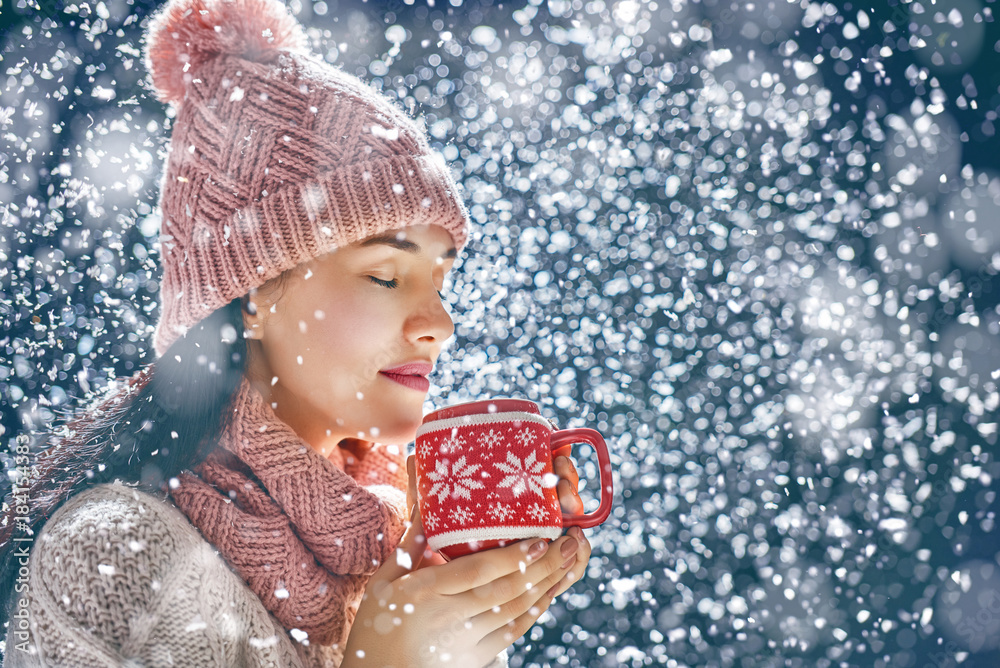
461,613
466,611
569,499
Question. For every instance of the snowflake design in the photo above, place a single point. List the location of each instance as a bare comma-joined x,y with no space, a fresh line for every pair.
452,443
431,521
425,449
491,440
538,512
460,515
456,483
522,476
526,437
501,511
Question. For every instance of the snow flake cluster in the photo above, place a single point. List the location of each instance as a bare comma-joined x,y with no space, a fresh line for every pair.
756,245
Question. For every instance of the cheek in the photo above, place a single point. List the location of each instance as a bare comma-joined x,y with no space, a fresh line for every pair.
350,332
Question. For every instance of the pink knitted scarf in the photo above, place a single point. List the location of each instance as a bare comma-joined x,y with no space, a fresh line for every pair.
305,532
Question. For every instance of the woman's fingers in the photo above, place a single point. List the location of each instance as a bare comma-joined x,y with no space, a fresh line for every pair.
411,476
563,467
503,624
566,488
500,615
569,498
580,567
512,620
470,608
466,573
495,597
502,637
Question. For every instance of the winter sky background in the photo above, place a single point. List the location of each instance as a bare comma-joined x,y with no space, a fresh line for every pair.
755,244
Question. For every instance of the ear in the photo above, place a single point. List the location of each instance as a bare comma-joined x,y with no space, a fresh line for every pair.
260,303
256,309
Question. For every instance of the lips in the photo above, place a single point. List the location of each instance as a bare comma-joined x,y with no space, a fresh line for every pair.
412,375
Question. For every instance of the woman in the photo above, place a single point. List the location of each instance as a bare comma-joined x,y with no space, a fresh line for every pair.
233,504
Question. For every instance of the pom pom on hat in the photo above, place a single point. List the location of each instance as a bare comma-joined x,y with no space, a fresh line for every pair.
187,33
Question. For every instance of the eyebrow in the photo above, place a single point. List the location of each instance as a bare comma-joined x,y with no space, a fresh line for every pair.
392,239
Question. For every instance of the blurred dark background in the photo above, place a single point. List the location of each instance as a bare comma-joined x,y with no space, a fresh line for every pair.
756,244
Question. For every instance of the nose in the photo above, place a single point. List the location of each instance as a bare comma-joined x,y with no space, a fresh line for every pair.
430,322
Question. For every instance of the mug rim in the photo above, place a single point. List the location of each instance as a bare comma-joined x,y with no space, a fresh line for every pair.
482,407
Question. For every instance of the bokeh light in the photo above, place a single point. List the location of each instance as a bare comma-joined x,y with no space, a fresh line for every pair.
755,244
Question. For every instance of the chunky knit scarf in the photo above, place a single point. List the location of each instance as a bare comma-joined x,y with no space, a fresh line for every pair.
305,532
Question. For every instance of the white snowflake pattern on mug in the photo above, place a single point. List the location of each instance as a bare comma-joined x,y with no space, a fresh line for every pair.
538,512
425,449
526,437
456,483
501,512
491,439
451,444
522,476
460,515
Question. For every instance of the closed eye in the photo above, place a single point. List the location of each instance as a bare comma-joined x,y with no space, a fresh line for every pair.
385,284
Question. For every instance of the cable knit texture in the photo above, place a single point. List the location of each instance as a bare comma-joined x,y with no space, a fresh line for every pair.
276,157
119,578
302,532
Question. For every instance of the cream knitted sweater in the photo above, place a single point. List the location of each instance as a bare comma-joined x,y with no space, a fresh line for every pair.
119,577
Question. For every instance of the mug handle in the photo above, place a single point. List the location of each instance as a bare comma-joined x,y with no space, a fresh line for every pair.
563,441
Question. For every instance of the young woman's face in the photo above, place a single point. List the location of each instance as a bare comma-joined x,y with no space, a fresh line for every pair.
343,344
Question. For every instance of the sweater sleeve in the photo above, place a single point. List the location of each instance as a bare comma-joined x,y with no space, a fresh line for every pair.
118,577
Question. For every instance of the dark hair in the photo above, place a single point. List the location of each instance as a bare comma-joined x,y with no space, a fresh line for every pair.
162,420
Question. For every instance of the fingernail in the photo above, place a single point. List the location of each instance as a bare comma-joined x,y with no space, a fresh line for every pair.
569,562
552,592
568,547
537,549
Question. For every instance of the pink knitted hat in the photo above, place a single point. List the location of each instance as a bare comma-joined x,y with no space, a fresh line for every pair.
276,157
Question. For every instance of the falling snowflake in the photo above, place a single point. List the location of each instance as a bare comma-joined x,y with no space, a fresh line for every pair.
522,476
460,515
457,483
491,440
538,512
758,244
501,512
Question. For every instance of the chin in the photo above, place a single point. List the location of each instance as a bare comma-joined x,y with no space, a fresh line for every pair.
400,432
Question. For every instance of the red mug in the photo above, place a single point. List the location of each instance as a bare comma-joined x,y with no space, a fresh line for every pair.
485,478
